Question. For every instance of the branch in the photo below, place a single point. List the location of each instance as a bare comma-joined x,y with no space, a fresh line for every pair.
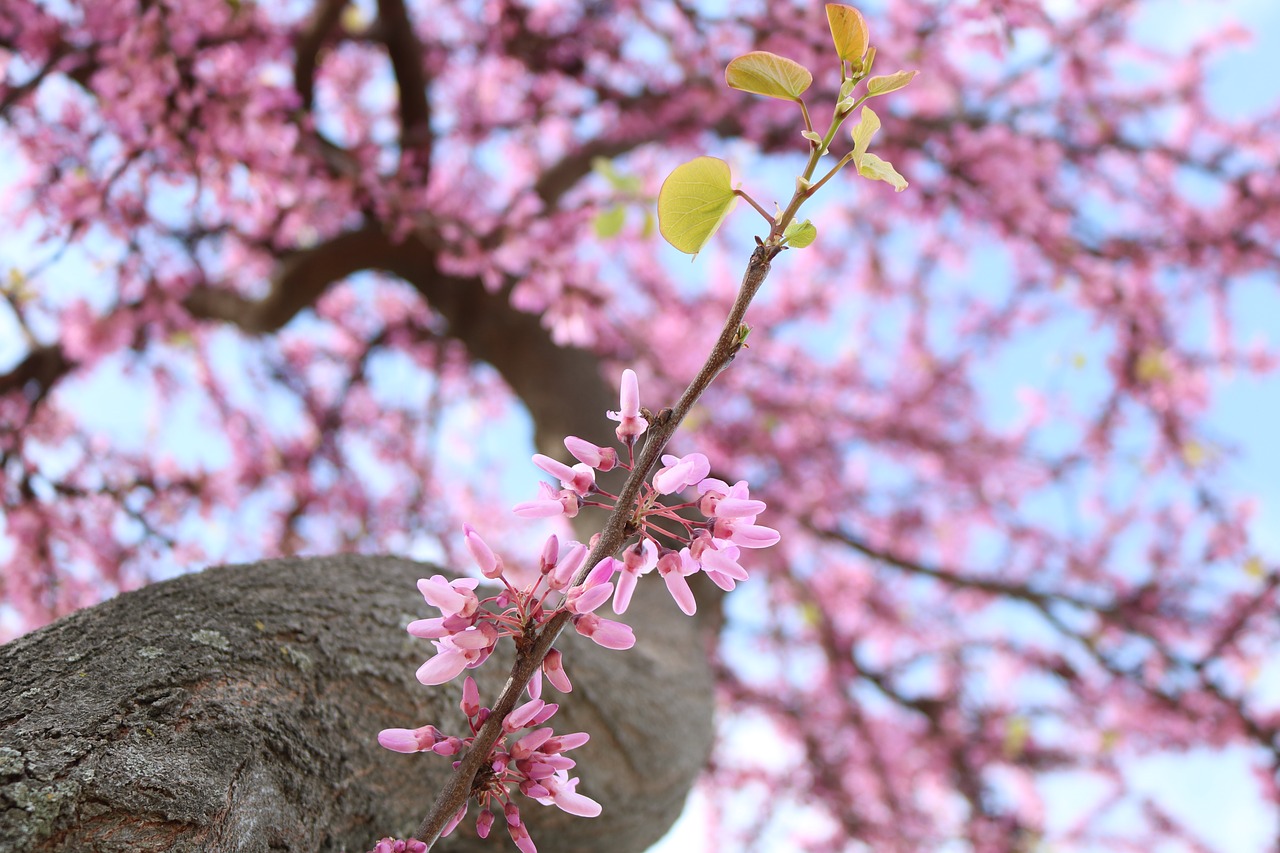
406,53
307,48
43,367
299,280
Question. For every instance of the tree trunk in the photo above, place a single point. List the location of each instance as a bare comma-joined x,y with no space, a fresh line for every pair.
237,710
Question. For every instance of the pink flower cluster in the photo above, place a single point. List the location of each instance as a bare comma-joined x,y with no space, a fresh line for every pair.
534,764
469,627
396,845
712,547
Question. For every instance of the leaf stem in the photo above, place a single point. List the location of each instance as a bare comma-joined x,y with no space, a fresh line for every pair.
751,201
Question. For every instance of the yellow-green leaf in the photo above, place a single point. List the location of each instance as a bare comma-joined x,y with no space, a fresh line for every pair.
876,169
800,235
764,73
862,132
693,201
609,222
889,82
848,31
1016,734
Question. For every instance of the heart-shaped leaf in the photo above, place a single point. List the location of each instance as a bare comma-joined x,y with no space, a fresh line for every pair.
889,82
800,234
866,128
876,169
848,31
608,223
764,73
693,201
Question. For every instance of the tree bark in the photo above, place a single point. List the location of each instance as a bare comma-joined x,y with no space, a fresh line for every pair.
237,709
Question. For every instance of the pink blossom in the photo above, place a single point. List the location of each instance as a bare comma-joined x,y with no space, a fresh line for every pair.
409,740
675,566
680,472
568,565
553,666
396,845
630,423
584,599
521,716
604,632
470,697
636,561
579,479
562,793
454,598
490,565
601,458
547,505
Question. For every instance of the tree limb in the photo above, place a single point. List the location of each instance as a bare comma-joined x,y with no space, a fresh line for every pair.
236,710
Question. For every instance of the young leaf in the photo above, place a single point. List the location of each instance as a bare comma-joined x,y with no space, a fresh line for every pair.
693,201
764,73
609,222
866,128
876,169
848,31
799,235
889,82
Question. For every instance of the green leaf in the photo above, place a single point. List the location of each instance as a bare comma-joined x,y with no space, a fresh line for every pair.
848,31
800,235
862,132
889,82
609,222
764,73
647,230
693,201
876,169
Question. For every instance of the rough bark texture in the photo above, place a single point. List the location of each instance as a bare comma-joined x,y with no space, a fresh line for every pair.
236,710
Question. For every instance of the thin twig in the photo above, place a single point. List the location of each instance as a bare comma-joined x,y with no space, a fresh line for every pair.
457,790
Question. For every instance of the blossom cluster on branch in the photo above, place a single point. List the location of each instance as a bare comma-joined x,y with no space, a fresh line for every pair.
467,632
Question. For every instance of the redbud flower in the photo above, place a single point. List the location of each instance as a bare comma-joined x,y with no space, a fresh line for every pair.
523,715
455,820
584,599
561,793
457,651
579,479
553,666
675,566
520,836
735,514
409,740
636,561
601,458
470,697
604,632
630,424
602,572
568,565
680,472
546,505
454,598
550,553
395,845
484,823
490,565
